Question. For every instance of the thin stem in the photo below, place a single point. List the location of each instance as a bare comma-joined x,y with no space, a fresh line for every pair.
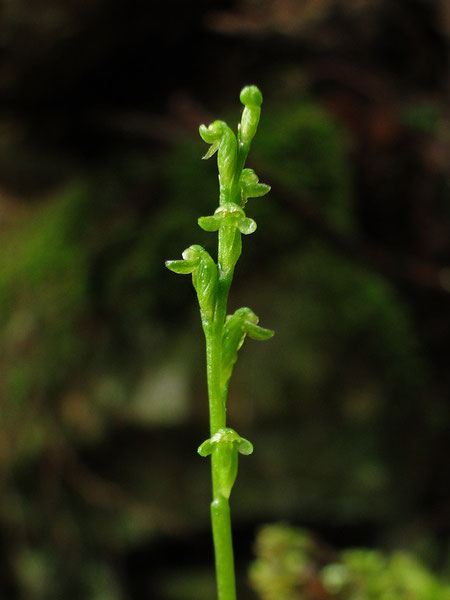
220,509
243,150
217,411
223,546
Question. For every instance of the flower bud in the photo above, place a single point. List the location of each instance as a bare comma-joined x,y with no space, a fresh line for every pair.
250,95
252,99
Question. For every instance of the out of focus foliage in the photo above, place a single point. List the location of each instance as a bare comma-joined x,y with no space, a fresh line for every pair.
103,398
292,565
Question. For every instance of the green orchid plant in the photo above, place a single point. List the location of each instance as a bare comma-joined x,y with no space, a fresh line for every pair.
224,334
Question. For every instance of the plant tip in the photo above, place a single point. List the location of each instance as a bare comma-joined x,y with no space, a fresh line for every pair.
251,96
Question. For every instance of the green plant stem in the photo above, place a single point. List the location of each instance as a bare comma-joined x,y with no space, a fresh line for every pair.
223,545
220,509
217,413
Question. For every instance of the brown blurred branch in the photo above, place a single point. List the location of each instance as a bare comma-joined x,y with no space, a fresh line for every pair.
396,266
111,496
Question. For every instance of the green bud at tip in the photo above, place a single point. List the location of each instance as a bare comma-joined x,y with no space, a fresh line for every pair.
251,96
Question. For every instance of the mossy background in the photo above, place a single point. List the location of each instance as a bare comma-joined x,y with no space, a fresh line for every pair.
102,388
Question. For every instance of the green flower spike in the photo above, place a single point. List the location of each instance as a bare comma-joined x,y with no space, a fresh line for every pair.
226,444
225,335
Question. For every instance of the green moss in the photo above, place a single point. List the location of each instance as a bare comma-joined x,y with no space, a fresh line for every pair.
303,149
291,565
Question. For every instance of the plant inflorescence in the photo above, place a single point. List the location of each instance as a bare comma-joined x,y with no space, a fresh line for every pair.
225,334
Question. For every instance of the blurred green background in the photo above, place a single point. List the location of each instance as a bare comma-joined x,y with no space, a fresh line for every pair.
102,389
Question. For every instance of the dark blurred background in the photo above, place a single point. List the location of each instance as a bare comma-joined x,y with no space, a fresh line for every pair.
103,395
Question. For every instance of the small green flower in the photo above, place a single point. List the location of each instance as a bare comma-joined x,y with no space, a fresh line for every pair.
250,186
226,436
228,215
237,326
223,141
196,260
226,444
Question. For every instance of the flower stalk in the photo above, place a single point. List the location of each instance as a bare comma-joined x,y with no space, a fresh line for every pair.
224,335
